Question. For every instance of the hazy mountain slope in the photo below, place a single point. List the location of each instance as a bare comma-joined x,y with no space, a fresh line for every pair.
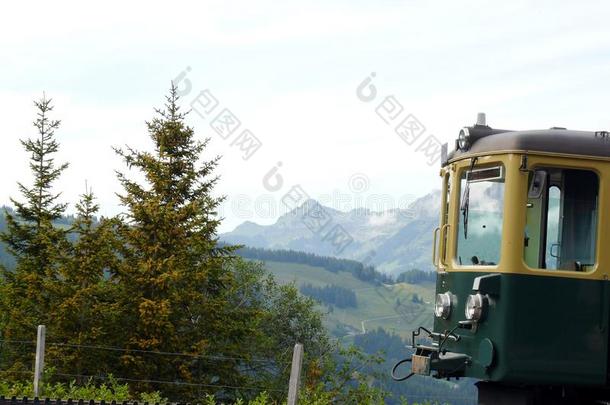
398,308
393,241
391,307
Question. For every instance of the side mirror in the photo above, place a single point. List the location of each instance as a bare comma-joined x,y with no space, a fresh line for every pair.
537,185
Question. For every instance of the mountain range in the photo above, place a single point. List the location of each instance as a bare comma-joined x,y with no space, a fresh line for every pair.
393,241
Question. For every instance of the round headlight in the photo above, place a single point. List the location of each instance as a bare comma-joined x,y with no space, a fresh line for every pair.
464,139
476,305
442,305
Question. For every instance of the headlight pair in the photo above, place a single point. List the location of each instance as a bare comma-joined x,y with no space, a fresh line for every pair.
475,310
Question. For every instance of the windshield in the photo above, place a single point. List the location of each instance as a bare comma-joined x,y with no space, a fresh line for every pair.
480,220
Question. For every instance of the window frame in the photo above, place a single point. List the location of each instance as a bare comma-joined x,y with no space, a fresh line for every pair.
457,201
552,164
445,218
545,235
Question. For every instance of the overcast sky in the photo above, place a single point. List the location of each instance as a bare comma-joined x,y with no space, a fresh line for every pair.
289,72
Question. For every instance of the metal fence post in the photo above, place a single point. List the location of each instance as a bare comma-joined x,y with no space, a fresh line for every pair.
295,374
39,365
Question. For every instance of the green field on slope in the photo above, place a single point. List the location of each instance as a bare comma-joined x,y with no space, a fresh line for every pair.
387,306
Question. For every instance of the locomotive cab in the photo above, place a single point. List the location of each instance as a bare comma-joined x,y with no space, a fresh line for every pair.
522,260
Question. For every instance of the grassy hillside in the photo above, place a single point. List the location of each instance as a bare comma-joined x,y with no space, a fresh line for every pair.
392,307
377,308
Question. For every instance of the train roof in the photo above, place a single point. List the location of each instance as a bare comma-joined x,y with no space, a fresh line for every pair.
555,140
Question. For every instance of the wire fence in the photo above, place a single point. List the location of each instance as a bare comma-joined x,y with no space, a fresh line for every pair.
272,365
276,368
156,352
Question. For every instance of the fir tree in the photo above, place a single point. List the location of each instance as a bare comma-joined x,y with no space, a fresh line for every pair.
85,296
37,245
174,277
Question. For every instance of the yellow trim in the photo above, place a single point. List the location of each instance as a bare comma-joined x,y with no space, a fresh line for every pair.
602,169
443,254
442,249
434,241
529,153
514,214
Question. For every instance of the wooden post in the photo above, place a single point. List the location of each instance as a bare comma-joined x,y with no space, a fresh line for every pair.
295,374
39,365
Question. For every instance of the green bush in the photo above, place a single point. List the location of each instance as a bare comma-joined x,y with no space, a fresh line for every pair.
107,391
318,395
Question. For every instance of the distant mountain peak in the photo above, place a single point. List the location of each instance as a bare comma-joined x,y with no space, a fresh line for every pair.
394,240
248,227
307,206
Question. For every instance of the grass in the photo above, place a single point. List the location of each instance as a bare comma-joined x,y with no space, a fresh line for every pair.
387,306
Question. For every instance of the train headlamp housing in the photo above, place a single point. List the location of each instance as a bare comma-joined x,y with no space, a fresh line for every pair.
463,141
476,307
442,305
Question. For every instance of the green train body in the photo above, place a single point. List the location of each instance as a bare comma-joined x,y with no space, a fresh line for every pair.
543,330
523,258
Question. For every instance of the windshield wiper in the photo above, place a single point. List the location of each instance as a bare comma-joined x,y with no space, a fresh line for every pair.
466,199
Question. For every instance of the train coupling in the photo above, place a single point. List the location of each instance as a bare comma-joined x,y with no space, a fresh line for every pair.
434,357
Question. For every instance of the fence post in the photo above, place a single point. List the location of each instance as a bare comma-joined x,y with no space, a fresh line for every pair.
295,374
39,365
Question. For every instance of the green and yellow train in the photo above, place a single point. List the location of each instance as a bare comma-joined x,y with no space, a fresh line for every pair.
523,259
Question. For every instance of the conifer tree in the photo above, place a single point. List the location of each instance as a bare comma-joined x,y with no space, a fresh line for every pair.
174,277
85,296
37,245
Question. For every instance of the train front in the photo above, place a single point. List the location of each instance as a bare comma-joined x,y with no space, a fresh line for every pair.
521,297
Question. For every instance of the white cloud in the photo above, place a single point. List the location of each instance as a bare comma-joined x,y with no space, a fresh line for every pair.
289,71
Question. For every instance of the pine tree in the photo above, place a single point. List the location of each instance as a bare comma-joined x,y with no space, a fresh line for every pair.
174,277
37,245
85,296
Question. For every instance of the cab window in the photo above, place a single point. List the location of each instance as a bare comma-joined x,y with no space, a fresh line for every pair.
561,222
480,219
